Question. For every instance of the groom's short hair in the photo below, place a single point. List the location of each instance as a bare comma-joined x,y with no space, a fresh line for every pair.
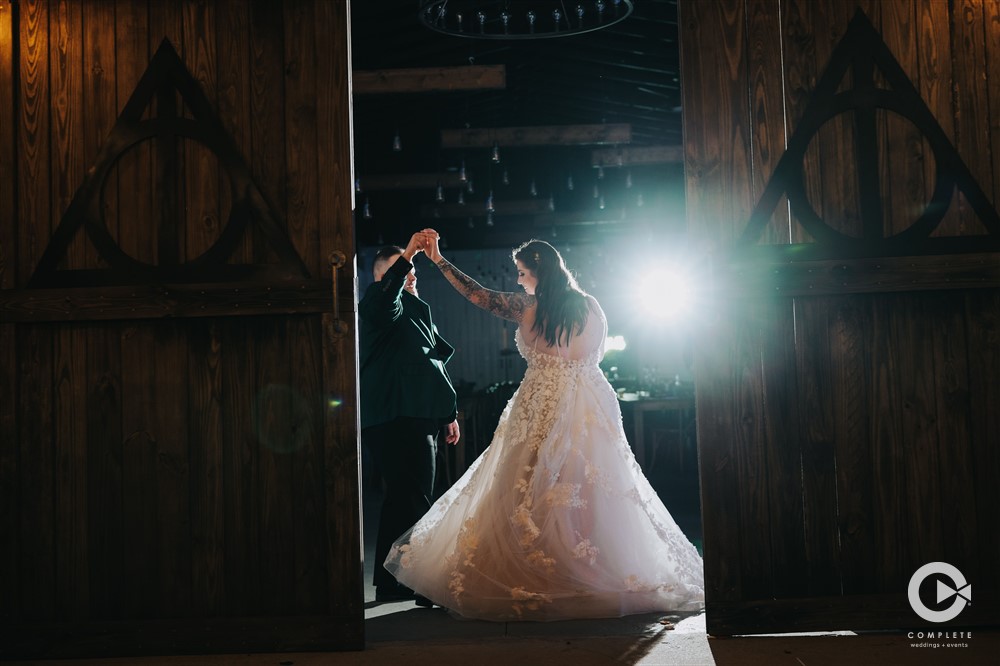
382,258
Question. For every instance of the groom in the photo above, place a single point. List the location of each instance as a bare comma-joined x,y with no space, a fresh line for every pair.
406,399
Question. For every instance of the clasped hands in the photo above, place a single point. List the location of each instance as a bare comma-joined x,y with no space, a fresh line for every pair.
425,241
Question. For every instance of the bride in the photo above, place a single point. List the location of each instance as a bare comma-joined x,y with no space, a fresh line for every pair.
555,520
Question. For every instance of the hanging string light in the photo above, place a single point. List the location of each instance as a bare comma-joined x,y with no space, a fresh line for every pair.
397,143
496,20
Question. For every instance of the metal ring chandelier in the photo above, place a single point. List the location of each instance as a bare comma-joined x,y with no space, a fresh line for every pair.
521,19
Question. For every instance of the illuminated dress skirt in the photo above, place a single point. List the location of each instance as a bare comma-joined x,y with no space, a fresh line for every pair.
555,520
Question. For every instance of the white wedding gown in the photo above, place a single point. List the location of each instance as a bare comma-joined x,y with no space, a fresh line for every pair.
555,520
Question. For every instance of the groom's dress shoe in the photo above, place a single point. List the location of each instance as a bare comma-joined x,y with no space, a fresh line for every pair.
393,594
423,602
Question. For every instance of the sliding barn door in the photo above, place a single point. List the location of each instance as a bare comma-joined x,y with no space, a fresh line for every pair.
178,416
837,158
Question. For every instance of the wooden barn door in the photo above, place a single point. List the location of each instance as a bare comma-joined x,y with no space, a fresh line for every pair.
179,466
838,169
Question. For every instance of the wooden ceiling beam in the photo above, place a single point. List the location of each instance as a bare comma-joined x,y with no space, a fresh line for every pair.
408,181
542,135
637,155
478,208
429,79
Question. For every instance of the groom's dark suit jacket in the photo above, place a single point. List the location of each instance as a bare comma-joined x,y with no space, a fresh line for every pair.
402,356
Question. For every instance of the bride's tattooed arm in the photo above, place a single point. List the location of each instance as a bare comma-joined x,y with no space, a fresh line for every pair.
507,304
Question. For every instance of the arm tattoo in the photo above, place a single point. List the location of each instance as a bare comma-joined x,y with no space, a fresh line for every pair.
507,304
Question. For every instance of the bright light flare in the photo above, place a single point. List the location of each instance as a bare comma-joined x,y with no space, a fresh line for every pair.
614,343
665,294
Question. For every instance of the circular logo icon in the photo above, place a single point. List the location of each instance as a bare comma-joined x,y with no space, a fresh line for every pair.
959,589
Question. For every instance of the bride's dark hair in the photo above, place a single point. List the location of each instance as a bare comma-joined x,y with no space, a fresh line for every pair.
562,305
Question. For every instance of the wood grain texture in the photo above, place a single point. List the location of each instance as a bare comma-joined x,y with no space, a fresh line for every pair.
33,190
8,151
429,79
301,147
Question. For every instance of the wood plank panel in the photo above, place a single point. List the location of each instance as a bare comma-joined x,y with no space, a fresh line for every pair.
204,180
952,415
991,22
919,452
72,575
101,109
9,472
241,459
278,442
67,165
208,528
141,570
301,147
169,417
781,444
934,83
750,449
233,76
37,531
850,393
8,151
819,492
336,162
982,314
889,509
267,121
33,190
766,108
106,485
308,470
549,135
906,153
429,79
972,122
342,461
134,172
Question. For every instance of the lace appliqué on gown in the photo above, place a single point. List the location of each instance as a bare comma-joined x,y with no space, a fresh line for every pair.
555,520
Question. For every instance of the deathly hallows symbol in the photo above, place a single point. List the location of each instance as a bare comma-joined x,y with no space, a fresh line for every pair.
861,51
164,80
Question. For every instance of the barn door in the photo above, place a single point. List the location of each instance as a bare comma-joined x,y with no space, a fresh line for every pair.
846,375
178,417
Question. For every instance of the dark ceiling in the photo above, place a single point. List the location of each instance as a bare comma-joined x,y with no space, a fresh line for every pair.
627,73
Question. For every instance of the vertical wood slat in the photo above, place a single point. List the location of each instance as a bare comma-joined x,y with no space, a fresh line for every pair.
277,443
141,570
918,450
342,461
267,123
991,22
105,485
767,108
784,466
819,493
904,184
950,361
850,375
201,217
101,111
8,151
33,191
301,149
983,333
971,95
208,528
67,116
174,439
133,173
36,574
233,77
751,460
308,495
72,575
335,199
9,474
241,456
